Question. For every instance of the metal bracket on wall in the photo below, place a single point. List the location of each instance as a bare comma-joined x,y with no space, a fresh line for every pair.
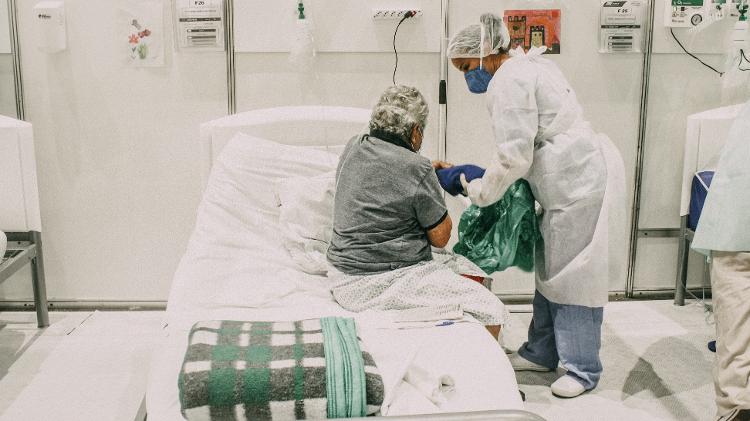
659,233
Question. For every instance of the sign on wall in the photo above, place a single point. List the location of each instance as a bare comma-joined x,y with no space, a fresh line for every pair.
534,28
200,25
621,26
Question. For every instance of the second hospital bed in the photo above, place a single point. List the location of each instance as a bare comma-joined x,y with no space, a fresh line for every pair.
236,268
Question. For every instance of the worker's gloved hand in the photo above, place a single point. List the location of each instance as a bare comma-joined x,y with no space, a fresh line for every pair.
538,209
464,185
452,179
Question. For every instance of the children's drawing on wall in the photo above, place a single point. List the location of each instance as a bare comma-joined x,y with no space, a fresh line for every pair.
534,28
142,33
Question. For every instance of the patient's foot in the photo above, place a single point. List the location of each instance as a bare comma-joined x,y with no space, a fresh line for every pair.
494,331
520,363
567,387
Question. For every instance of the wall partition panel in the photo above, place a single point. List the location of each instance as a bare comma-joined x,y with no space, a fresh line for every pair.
118,155
679,86
7,75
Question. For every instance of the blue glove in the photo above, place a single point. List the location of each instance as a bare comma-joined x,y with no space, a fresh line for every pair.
450,178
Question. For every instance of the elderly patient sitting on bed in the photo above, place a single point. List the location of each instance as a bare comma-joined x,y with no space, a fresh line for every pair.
388,211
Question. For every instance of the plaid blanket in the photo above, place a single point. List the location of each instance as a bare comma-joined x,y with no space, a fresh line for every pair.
236,370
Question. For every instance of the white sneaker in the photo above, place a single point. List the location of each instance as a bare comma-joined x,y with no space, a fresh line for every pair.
520,363
567,387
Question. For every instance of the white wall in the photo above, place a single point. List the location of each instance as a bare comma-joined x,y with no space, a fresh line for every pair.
268,27
118,157
355,60
354,80
4,28
608,87
7,84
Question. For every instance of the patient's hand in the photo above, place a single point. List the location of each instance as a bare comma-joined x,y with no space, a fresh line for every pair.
441,165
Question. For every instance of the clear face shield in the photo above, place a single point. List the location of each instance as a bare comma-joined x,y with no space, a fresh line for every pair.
478,80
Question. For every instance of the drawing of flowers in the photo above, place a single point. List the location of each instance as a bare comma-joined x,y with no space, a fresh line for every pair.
139,48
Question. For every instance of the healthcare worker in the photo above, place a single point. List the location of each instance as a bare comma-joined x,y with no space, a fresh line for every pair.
723,233
575,175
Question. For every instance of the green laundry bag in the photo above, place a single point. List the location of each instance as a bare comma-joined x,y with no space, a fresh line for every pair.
503,234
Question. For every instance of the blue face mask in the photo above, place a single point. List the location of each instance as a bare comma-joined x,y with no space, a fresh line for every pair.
478,80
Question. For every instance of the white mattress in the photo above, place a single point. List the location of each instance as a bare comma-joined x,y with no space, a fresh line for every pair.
235,268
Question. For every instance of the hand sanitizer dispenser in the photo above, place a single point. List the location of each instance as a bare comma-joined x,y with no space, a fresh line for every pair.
50,23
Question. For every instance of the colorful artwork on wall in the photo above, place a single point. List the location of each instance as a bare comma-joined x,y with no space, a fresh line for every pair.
534,28
142,33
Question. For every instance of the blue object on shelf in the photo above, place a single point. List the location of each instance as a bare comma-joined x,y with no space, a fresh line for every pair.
712,346
698,192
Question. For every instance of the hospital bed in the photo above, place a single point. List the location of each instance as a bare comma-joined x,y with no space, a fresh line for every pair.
235,268
707,132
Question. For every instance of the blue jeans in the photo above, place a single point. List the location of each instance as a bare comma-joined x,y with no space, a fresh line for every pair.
571,335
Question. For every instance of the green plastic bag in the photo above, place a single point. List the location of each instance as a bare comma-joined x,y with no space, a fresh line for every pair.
503,234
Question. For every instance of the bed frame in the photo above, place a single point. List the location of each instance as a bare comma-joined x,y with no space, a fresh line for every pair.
25,248
499,415
322,126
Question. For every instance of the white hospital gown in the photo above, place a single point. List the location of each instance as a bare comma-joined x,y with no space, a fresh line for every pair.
426,284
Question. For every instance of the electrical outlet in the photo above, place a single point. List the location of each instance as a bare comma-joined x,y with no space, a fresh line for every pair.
394,14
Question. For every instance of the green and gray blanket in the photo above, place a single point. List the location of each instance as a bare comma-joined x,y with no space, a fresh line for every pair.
309,369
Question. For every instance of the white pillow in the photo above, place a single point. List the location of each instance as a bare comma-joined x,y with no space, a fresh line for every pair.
306,219
236,248
252,166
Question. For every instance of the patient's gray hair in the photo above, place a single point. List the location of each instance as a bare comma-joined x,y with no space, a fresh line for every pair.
399,109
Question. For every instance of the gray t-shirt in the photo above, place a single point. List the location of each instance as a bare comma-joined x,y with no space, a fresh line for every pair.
387,198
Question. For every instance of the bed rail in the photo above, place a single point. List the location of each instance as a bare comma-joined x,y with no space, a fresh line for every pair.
499,415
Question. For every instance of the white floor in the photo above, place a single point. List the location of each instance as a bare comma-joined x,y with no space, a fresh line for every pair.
656,367
85,366
93,366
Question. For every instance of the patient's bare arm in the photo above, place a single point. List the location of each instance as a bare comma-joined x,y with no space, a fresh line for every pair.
441,234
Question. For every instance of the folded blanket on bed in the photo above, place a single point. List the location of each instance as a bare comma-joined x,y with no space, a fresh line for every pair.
309,369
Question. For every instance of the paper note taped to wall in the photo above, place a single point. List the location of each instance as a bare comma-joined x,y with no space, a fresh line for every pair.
534,28
200,24
142,33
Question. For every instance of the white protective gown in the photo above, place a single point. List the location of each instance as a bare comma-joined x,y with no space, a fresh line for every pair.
725,220
576,175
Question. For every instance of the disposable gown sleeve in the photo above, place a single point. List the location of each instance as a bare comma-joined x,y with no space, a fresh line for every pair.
515,122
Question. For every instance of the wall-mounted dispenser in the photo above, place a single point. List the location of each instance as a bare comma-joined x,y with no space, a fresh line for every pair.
50,24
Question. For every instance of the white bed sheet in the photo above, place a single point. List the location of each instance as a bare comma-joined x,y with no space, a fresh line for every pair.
235,268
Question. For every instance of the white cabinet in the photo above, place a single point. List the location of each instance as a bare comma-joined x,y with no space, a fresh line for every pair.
19,197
